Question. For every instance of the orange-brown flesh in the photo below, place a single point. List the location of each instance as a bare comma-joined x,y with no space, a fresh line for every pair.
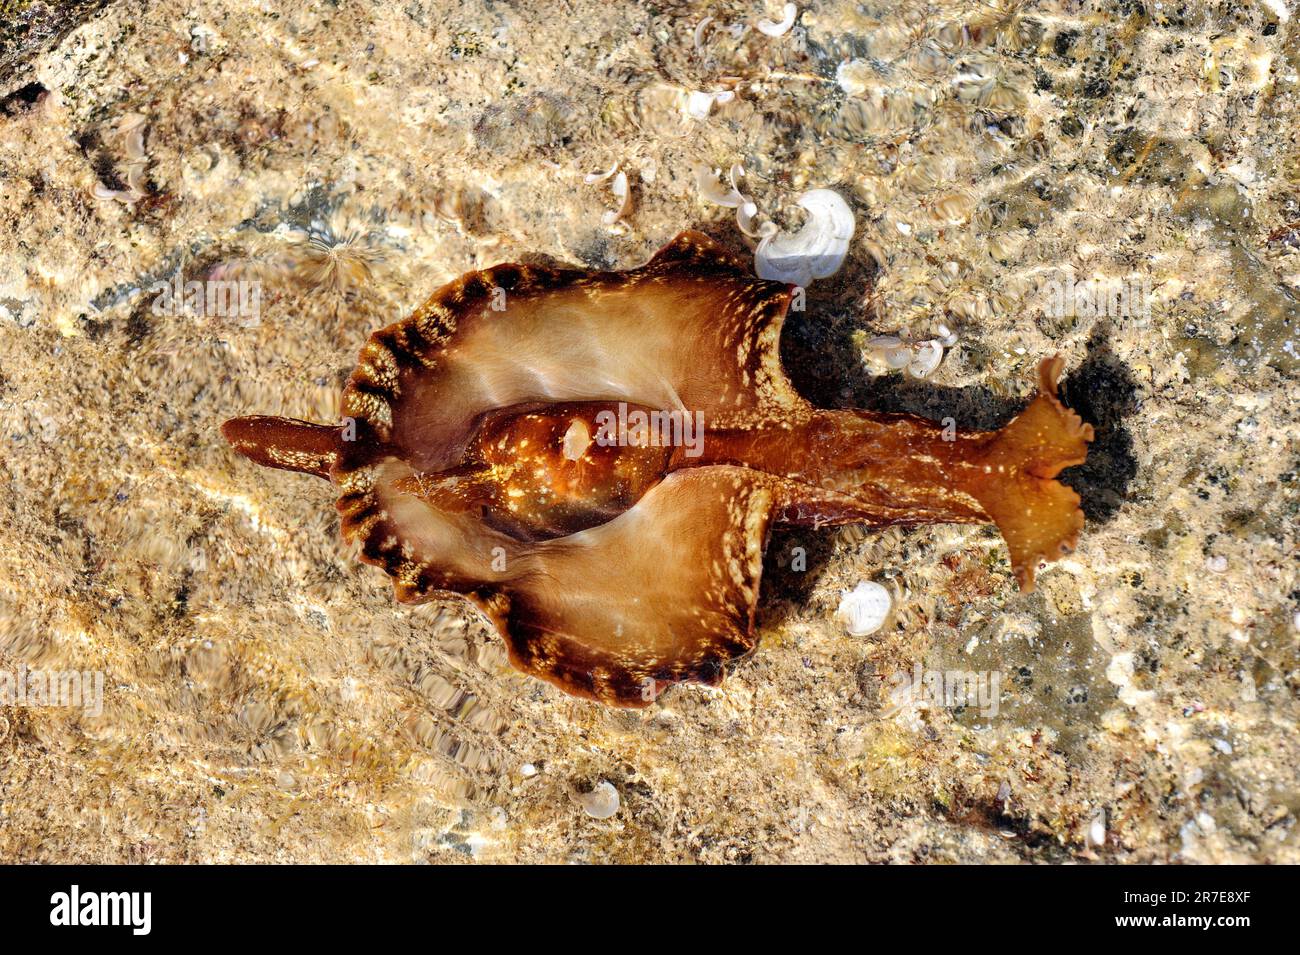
627,569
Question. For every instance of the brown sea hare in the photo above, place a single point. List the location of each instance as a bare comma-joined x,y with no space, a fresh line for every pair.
595,459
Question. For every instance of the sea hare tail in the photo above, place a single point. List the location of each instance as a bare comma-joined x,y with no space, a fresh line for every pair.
1039,517
285,443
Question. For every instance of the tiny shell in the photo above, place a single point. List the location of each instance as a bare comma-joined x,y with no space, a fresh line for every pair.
864,609
712,191
815,251
747,220
601,803
898,357
700,29
789,14
594,177
134,143
1096,834
700,104
853,76
928,356
105,194
890,350
624,197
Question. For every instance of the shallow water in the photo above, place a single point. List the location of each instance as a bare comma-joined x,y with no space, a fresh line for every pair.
264,698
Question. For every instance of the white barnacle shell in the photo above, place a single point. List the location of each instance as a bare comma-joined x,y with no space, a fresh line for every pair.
712,191
928,355
815,251
789,14
699,32
130,123
133,141
864,609
594,177
1095,834
747,221
853,76
105,194
624,197
700,104
601,802
891,351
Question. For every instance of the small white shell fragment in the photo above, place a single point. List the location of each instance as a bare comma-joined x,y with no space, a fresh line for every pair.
884,342
746,219
789,14
130,123
576,440
864,609
699,32
624,197
700,104
527,770
1096,835
105,194
1218,564
1278,9
928,356
135,179
712,191
853,76
891,351
134,143
816,250
601,802
896,359
594,177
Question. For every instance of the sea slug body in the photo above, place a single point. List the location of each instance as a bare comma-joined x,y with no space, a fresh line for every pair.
478,457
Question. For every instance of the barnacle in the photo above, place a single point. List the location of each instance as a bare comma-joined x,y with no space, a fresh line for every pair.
595,460
816,250
789,13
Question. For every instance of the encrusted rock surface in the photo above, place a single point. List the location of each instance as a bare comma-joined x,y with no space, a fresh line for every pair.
265,699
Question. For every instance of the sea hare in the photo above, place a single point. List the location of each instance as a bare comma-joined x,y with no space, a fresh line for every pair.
595,459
